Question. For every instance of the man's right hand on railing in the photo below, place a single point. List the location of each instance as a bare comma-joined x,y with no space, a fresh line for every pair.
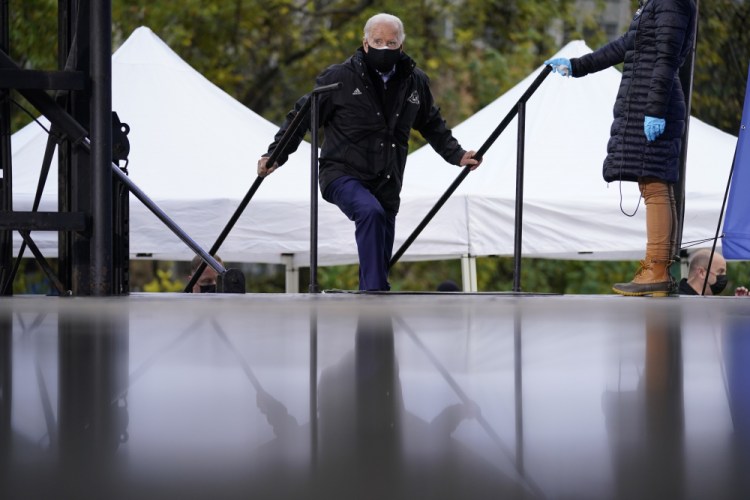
263,170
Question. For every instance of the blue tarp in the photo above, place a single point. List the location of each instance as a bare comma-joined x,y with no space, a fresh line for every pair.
736,244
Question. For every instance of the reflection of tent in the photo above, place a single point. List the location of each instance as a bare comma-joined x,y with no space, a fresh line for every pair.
569,211
193,151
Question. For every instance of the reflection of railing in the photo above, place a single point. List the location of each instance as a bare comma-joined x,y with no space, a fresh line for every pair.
517,460
276,413
520,110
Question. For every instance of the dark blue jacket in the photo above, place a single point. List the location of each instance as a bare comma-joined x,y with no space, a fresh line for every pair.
653,49
366,139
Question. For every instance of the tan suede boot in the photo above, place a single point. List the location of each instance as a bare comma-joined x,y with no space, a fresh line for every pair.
652,278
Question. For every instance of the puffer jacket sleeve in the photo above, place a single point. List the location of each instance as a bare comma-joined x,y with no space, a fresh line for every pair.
673,18
431,124
602,58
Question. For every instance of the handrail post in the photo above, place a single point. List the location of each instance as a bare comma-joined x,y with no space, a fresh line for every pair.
314,288
314,125
517,243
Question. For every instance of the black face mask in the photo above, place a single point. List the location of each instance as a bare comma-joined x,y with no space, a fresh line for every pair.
720,285
208,288
382,60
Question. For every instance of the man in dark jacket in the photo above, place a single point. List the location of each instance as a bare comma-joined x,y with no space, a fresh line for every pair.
649,121
367,125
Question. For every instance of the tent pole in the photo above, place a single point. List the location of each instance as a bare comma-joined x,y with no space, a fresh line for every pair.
292,273
469,273
314,288
314,125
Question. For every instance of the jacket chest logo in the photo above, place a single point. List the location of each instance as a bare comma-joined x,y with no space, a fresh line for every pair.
357,91
414,98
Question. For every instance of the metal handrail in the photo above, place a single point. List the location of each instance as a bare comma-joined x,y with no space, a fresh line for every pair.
479,154
280,147
293,126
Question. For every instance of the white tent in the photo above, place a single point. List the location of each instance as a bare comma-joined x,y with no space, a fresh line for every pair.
194,149
569,211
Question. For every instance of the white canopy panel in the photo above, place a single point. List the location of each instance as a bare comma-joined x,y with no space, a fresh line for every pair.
194,150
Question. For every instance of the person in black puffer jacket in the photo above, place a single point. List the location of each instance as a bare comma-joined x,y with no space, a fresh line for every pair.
649,121
367,126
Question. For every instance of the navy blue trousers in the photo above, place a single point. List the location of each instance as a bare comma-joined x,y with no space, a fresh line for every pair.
374,229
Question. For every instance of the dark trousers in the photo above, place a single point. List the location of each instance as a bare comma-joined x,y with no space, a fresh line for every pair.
374,229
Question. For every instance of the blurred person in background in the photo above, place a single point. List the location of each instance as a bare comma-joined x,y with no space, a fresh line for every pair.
207,282
717,276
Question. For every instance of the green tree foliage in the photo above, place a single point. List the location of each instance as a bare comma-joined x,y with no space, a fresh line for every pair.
33,33
33,45
266,53
164,282
495,274
30,278
722,58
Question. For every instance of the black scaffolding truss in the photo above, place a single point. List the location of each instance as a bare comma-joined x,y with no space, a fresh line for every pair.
92,216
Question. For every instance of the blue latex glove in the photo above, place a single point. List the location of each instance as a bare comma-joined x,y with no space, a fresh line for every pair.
653,127
560,65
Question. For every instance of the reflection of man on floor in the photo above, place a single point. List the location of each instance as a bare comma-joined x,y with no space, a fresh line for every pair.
371,445
368,445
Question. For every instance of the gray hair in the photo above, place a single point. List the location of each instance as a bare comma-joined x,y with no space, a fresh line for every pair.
385,18
700,260
197,261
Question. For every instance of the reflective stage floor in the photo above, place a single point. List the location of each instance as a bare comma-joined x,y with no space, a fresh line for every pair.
383,396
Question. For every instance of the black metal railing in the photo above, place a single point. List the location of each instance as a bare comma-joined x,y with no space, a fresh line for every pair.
518,109
296,122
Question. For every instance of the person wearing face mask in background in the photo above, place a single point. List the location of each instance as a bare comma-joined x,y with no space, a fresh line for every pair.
367,124
207,282
717,276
